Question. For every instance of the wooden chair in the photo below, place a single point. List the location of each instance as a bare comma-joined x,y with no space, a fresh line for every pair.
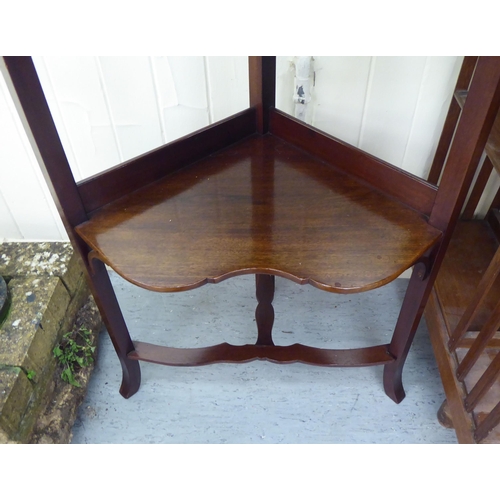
463,311
261,193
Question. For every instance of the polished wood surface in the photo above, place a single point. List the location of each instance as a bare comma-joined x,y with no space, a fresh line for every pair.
260,206
227,353
262,89
112,184
392,181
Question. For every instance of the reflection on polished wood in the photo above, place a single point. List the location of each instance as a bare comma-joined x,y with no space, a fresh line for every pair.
260,206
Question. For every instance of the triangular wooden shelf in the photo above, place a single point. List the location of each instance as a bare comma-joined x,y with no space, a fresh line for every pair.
258,206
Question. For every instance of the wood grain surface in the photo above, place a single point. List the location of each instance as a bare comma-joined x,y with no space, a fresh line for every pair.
260,206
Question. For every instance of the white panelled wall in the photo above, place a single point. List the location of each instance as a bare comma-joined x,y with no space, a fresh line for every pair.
110,109
391,107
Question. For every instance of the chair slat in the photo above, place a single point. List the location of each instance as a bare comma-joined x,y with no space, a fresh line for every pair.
485,335
450,124
482,290
477,190
483,384
488,424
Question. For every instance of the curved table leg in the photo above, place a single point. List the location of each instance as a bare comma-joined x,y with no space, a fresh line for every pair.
109,308
406,327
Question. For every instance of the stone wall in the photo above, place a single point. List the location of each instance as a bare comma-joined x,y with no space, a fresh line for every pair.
47,288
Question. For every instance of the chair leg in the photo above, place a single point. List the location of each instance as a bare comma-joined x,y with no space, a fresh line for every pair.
404,332
117,329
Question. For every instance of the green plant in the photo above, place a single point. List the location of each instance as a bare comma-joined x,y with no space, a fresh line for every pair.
74,351
31,374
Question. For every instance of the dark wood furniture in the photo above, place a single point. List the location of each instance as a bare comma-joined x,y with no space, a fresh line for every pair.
463,311
261,193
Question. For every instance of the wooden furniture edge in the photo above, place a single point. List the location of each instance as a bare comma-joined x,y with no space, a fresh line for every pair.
228,353
455,393
493,218
492,147
87,231
262,88
96,254
463,82
392,181
108,186
29,100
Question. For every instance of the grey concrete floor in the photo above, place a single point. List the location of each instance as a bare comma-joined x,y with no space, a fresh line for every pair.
262,402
